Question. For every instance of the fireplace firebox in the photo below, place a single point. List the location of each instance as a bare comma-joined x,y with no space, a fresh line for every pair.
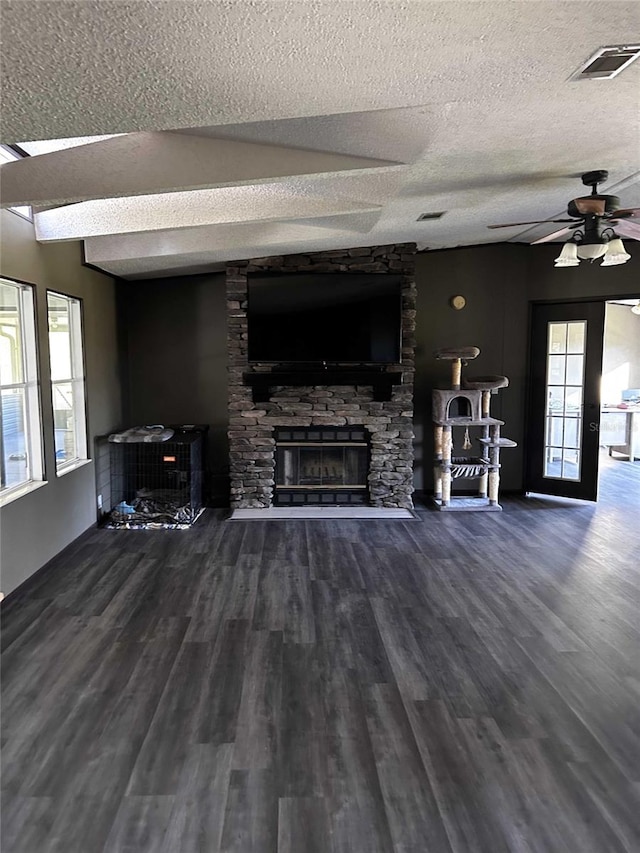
324,466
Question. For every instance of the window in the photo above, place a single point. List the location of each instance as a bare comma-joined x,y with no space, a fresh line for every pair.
67,380
20,433
8,155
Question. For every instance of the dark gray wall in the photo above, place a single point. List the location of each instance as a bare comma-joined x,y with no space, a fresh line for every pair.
176,339
176,342
545,282
499,283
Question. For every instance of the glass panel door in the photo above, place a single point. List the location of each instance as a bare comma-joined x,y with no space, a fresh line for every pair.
564,399
564,394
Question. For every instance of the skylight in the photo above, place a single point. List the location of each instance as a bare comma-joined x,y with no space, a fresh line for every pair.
8,155
46,146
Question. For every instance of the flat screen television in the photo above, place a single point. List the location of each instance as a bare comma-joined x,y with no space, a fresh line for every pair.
352,318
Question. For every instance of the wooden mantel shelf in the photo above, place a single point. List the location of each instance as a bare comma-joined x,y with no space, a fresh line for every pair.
382,381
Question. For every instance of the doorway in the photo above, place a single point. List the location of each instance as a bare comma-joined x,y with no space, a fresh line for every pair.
620,391
584,400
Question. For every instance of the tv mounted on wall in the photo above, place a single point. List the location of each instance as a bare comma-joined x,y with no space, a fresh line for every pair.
346,318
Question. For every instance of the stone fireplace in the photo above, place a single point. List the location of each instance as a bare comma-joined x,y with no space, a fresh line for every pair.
344,438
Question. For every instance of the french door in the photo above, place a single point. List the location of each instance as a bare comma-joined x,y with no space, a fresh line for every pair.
564,399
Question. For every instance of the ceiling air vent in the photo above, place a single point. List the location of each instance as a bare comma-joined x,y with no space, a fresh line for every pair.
436,215
608,62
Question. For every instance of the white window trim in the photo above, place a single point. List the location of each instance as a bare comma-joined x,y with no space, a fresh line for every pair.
15,492
31,385
77,381
72,465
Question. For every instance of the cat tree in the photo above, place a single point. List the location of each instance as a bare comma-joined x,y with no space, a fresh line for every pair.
467,404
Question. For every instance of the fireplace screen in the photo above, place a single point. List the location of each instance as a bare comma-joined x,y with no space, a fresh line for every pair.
319,467
328,467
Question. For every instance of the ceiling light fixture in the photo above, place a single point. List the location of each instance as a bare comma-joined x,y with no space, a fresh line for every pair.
591,244
568,257
616,253
636,308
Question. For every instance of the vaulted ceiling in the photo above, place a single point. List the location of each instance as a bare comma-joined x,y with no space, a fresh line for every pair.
212,131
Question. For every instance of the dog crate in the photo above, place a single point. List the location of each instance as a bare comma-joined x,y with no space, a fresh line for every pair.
157,483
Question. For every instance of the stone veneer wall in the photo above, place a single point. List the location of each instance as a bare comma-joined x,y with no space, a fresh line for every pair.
390,424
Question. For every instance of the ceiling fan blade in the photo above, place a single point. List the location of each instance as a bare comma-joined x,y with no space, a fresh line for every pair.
624,228
590,205
552,236
627,213
534,222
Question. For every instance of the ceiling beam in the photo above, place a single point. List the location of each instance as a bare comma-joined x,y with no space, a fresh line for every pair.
187,210
159,162
211,238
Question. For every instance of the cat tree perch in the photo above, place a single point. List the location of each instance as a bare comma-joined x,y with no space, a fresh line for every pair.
467,403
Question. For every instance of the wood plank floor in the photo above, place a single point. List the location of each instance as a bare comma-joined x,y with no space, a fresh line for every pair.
462,683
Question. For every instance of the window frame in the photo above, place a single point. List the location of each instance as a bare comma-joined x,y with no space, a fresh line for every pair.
78,383
32,405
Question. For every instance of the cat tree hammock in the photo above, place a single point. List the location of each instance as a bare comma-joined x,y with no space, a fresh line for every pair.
467,404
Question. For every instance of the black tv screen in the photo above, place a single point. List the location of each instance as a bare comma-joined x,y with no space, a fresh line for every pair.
332,317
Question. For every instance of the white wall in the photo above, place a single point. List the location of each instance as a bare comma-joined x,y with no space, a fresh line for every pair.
621,360
37,526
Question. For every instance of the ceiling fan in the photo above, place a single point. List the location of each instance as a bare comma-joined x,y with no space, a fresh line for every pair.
592,219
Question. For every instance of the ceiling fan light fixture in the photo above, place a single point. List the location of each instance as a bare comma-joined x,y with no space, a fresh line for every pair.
568,257
616,253
592,251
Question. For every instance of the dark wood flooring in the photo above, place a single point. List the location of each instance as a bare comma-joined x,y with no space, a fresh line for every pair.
466,682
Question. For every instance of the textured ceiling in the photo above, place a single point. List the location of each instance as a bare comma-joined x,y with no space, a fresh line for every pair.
300,126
